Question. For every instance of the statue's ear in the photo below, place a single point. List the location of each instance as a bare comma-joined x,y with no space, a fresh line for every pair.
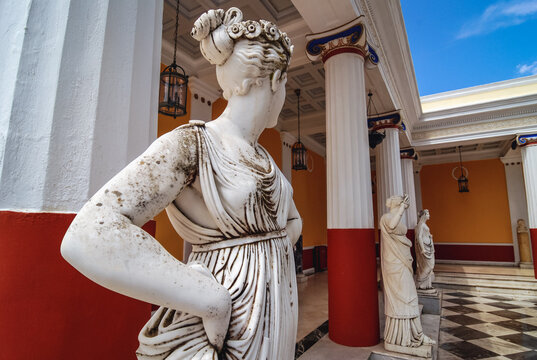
277,77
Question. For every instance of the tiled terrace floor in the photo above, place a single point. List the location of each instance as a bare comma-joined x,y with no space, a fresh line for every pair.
473,325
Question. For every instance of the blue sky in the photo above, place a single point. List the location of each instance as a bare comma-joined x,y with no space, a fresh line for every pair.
461,43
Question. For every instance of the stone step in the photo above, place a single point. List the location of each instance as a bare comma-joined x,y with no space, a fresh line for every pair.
505,284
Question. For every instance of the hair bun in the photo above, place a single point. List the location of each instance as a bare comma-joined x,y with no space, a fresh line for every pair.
217,47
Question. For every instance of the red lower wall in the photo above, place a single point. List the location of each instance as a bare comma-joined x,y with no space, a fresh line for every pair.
48,309
486,253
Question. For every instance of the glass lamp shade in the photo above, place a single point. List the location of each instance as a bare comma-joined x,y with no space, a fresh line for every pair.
299,156
173,91
463,184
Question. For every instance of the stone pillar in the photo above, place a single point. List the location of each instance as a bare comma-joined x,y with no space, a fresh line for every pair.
79,100
518,208
202,98
528,144
352,279
417,187
407,171
387,159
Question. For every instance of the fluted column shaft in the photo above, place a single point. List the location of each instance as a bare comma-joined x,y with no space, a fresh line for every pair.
352,276
407,172
529,165
388,167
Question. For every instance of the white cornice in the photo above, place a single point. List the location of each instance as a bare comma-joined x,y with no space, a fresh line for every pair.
313,145
528,80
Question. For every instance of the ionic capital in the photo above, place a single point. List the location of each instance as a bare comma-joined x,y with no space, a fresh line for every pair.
390,119
347,38
409,153
526,139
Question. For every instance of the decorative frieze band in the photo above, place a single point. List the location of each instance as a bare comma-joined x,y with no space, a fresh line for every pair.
347,38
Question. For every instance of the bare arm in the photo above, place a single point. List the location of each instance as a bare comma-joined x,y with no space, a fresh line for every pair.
294,223
106,244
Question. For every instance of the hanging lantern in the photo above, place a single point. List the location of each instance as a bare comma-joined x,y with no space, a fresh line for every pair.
462,180
375,136
298,150
173,83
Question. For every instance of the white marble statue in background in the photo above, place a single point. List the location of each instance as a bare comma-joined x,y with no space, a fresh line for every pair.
236,298
403,331
424,255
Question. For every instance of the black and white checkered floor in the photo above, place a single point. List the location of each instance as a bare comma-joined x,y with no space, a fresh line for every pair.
482,326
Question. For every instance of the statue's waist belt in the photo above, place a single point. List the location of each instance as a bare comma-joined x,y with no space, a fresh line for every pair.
228,243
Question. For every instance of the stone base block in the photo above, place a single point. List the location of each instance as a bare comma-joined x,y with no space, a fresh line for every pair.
526,265
431,301
425,351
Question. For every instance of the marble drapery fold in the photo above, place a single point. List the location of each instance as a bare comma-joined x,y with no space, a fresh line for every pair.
249,254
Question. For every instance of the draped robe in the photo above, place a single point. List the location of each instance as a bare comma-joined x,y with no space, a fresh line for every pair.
249,253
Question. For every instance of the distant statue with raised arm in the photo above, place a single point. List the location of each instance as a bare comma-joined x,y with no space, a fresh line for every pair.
424,255
236,297
403,331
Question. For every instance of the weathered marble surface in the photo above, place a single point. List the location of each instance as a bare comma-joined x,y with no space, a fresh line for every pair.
403,331
424,255
236,297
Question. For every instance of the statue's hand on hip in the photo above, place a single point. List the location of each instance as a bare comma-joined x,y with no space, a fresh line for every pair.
216,324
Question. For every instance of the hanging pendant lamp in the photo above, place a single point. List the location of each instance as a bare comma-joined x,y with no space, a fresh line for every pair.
462,180
298,150
375,136
173,83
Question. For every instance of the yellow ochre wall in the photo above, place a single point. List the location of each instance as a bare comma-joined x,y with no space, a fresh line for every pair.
309,193
479,216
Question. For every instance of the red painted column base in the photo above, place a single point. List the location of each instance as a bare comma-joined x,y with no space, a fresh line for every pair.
533,239
352,287
51,311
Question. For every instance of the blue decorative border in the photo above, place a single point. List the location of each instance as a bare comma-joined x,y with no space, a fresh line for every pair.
408,152
372,54
313,47
523,139
373,119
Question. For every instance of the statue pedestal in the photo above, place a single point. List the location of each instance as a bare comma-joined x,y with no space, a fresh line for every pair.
424,351
431,300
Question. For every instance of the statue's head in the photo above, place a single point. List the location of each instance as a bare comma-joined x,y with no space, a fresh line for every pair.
424,214
246,53
394,201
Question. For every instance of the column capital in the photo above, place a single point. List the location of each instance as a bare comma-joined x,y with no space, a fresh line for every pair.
390,119
347,38
408,153
526,139
287,138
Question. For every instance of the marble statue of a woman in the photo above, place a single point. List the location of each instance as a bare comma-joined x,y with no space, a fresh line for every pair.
403,332
424,254
236,297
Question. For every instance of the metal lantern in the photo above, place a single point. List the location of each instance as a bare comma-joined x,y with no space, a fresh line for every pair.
173,83
462,180
299,152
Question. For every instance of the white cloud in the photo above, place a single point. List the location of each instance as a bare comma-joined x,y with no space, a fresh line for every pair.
499,15
527,69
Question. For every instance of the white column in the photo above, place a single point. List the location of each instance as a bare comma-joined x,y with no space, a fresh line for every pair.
529,163
352,285
407,171
417,187
388,168
79,96
528,144
518,207
348,169
287,161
